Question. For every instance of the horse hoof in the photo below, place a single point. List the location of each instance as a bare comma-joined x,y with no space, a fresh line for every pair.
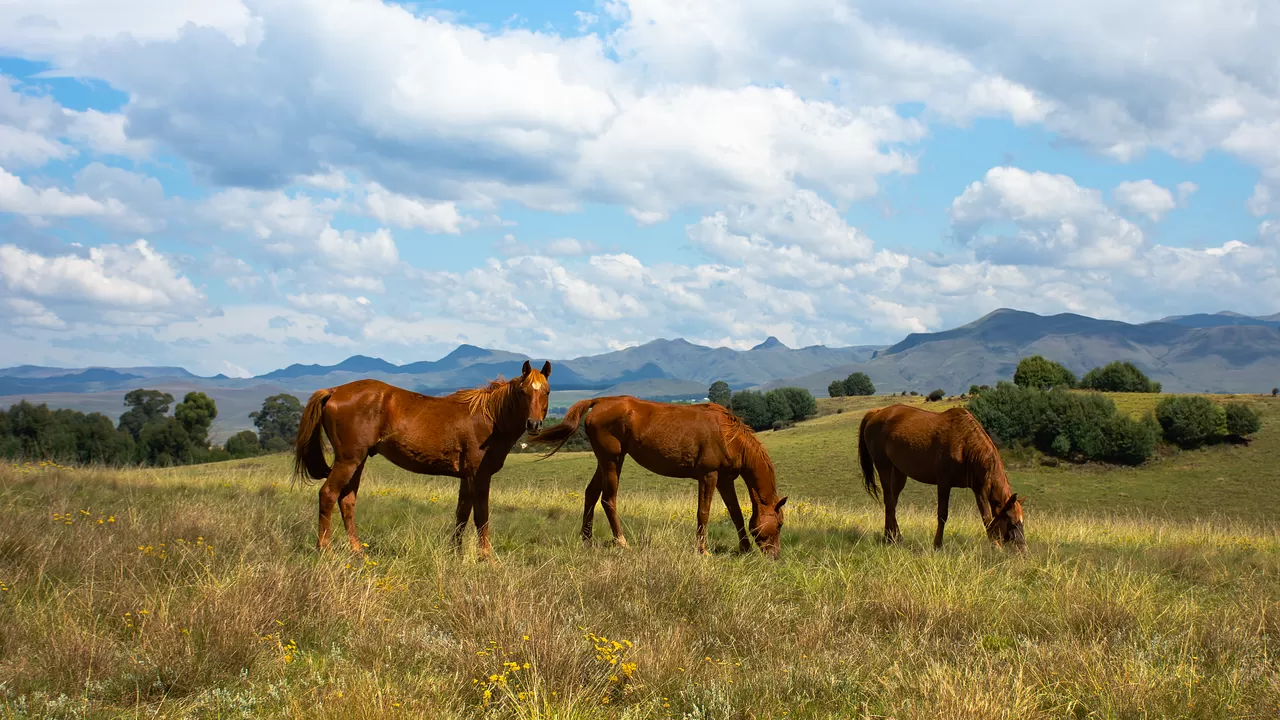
622,543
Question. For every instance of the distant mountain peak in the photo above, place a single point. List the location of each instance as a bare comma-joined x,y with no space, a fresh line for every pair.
770,343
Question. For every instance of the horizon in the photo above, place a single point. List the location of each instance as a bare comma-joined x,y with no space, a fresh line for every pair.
359,177
404,363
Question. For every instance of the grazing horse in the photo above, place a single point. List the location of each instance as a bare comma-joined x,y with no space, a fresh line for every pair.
948,449
704,442
466,435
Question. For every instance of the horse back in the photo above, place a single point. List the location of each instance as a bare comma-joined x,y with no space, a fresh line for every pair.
424,434
670,440
924,445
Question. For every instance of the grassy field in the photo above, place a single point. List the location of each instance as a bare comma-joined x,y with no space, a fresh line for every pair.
1146,593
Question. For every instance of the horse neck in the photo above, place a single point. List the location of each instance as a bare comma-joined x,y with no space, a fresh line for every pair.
994,485
761,482
506,415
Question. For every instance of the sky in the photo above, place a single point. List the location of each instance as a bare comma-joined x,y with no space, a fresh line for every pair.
235,185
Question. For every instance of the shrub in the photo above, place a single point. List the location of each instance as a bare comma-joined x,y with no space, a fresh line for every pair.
836,389
1242,419
1119,377
859,384
803,404
243,444
975,390
1040,373
1079,426
914,393
1191,420
1275,392
751,408
936,395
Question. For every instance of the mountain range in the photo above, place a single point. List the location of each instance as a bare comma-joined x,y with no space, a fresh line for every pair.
1222,352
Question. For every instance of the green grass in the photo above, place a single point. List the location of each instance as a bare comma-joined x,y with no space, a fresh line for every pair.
1147,592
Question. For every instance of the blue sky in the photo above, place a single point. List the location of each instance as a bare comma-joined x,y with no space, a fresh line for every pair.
234,185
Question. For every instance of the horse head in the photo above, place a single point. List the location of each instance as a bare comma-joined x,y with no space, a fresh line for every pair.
1006,525
534,391
766,527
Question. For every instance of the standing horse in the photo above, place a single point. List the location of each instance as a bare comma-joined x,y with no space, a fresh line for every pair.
704,442
948,449
466,435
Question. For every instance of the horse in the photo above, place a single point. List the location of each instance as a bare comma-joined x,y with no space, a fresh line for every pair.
947,449
704,442
465,435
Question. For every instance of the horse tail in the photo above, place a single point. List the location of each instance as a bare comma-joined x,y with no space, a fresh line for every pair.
864,456
309,462
560,434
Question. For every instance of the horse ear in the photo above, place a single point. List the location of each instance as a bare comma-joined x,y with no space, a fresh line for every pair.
1008,504
546,369
524,371
781,502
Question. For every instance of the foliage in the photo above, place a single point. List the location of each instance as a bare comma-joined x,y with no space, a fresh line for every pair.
278,421
719,393
1119,377
243,444
1069,425
145,406
165,442
34,432
1242,419
1191,420
1042,374
836,389
936,395
196,413
859,383
751,407
776,408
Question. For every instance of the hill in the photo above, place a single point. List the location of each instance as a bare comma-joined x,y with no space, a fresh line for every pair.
1225,358
1145,592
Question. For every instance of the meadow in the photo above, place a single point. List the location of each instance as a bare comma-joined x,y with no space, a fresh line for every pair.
196,592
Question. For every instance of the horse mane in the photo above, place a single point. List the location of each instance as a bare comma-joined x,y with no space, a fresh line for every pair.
489,400
980,453
732,428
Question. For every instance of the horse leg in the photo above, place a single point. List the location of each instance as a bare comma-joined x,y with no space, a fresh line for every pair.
729,494
944,500
342,472
610,500
706,489
984,510
891,481
592,496
463,513
347,504
480,509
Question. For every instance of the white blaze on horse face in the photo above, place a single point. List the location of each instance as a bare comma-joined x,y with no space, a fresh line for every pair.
536,384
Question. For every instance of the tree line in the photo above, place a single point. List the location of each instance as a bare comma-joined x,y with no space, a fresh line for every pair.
146,434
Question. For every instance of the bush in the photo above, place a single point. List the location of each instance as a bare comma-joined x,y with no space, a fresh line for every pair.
1076,426
836,389
1242,420
243,444
751,408
1191,420
914,393
1042,374
802,402
859,384
1119,377
1275,392
936,395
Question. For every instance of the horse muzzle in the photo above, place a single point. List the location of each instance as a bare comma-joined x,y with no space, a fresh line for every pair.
532,426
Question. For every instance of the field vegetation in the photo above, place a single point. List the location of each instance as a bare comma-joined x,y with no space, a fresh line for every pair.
1147,591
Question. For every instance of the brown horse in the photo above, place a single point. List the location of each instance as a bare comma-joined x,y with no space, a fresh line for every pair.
704,442
948,449
466,435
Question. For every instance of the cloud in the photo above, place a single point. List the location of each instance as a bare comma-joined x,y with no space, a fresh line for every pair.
406,212
108,279
1054,222
1144,197
19,198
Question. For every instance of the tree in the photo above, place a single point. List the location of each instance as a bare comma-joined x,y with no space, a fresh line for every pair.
1275,392
196,413
779,408
164,442
1119,377
243,444
719,393
144,406
1191,420
278,421
858,384
836,389
936,395
1242,420
803,404
1042,374
751,408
